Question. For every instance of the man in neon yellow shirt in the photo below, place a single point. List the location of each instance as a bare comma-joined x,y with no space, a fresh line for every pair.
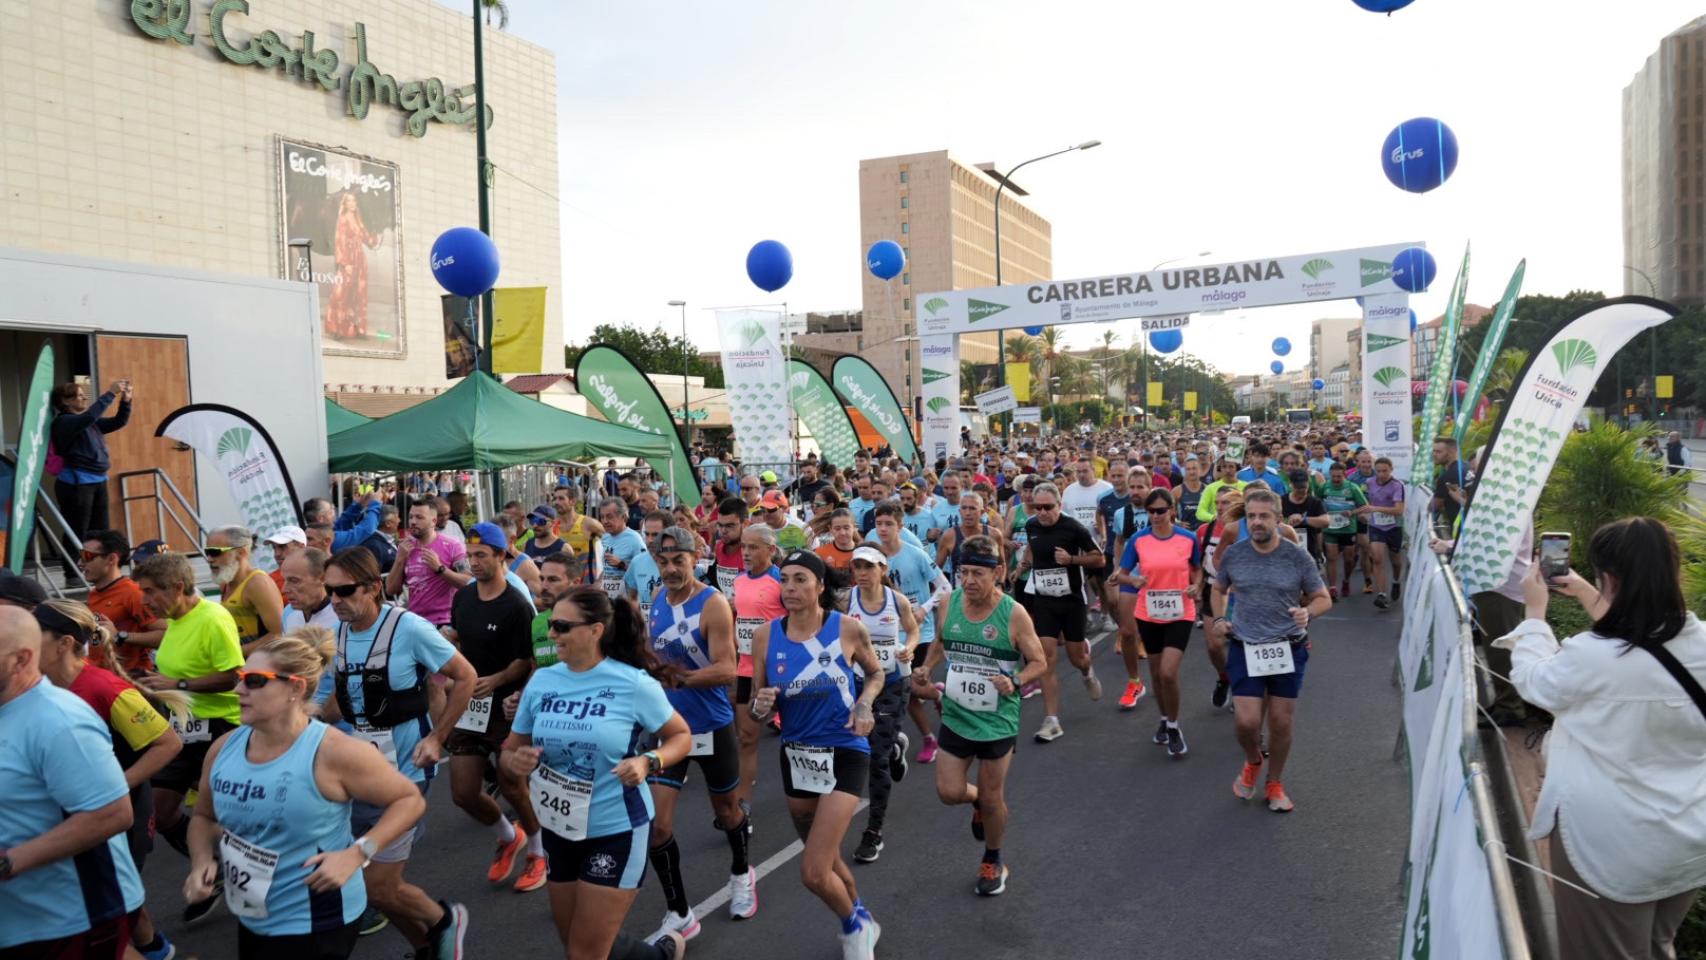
1226,475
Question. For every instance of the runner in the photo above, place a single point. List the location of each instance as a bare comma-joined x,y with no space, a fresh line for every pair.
1230,510
1225,478
1384,514
542,540
1164,564
692,636
1360,474
1079,501
985,638
491,624
292,868
256,607
968,523
791,534
581,532
643,578
557,575
117,597
621,544
384,658
918,521
912,572
1269,640
732,516
757,601
809,655
574,741
1127,523
1304,513
430,564
1190,494
1342,501
1260,470
888,618
1058,548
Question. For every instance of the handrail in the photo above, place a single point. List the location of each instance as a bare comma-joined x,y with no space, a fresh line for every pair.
162,509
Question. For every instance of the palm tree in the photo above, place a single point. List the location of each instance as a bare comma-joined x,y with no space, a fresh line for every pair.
500,8
1108,338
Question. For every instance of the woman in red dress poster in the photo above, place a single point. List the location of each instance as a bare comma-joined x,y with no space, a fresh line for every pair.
346,315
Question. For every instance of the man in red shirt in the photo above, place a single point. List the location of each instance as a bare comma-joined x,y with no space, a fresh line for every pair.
117,598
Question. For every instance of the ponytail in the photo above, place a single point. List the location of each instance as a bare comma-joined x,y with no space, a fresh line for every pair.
75,620
625,634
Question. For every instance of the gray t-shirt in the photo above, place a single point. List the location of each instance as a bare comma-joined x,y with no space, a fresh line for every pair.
1267,585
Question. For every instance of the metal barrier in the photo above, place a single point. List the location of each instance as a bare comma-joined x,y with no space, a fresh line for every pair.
162,509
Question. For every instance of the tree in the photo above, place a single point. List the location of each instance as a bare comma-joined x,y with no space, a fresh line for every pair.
653,352
498,7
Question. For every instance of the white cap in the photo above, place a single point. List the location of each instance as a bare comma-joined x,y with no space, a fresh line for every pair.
288,534
871,555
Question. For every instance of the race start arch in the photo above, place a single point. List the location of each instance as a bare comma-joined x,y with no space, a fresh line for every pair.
1364,272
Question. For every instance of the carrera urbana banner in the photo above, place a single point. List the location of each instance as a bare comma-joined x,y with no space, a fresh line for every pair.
757,380
1386,425
941,356
248,459
624,396
32,455
864,389
822,413
1542,410
1304,278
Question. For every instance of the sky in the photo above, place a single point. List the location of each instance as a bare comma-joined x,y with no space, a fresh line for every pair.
1247,128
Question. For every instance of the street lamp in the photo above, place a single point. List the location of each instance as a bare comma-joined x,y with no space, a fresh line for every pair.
1002,182
686,416
1652,350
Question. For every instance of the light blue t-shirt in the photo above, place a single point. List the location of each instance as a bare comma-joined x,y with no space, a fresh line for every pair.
624,546
520,585
1271,477
417,649
1321,466
56,759
946,514
860,506
912,572
919,524
586,723
643,579
906,537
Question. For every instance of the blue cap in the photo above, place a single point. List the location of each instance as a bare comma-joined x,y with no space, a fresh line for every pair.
489,534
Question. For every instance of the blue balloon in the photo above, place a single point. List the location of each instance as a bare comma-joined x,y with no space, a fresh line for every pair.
1277,367
1413,269
1166,341
1412,319
1033,331
465,261
1318,383
1359,301
1282,346
1419,154
769,265
1382,6
885,259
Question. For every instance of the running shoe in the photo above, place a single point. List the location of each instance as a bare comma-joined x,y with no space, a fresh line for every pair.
1278,802
870,847
503,861
977,822
743,894
1345,588
1367,585
673,945
1142,654
1160,737
1134,691
532,874
1030,690
1176,743
447,943
1333,594
858,944
991,879
198,911
1222,696
685,927
1050,731
897,757
163,952
1397,587
373,921
927,752
1093,683
1381,602
1245,786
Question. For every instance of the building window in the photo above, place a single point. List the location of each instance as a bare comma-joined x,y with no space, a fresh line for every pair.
903,176
906,304
905,202
906,279
905,227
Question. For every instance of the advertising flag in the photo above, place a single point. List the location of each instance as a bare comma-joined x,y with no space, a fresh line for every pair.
32,454
1386,425
1490,348
1155,397
1439,376
1019,378
862,386
941,356
822,413
248,459
518,330
757,379
1543,407
617,389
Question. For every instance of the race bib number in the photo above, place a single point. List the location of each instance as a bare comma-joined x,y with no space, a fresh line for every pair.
612,583
1051,582
248,870
971,684
192,729
381,739
702,745
886,649
1382,520
1086,516
477,717
561,802
1165,605
746,628
1270,659
812,768
1339,521
726,581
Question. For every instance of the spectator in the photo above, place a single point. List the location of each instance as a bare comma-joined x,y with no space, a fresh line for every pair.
383,543
1626,758
357,523
79,435
1677,454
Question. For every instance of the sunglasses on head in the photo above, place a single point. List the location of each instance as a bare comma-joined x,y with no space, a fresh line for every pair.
215,552
343,591
564,626
256,679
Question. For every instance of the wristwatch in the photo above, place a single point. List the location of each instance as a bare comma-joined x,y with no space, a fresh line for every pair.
124,636
368,848
183,684
654,763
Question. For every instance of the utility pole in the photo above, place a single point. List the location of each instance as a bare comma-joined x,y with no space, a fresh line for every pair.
487,321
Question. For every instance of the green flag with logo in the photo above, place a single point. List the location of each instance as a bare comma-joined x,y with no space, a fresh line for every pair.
616,388
861,385
32,454
1439,377
817,405
1490,349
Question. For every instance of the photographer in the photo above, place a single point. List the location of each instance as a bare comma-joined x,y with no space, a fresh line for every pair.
79,437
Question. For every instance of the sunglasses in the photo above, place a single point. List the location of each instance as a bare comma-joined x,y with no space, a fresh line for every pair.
1159,511
91,555
215,552
256,679
1045,506
539,521
564,626
343,591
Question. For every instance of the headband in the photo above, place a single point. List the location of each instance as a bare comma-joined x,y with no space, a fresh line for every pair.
807,559
971,558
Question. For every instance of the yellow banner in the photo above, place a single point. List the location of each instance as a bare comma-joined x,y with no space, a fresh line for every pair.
518,335
1665,387
1190,401
1019,378
1155,395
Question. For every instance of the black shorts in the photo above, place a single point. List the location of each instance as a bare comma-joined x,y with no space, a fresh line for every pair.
851,767
1063,617
183,773
743,690
466,743
618,860
333,944
107,940
1159,636
1340,540
959,746
721,766
1392,536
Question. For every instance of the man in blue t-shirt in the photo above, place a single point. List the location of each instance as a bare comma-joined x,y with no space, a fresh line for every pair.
1260,471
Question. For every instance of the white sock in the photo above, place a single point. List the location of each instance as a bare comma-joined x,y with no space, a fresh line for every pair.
1172,724
536,843
504,829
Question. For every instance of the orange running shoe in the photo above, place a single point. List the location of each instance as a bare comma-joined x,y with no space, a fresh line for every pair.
532,875
1278,802
1245,785
1134,691
503,861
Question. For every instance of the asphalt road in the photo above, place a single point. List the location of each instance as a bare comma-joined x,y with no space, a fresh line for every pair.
1114,848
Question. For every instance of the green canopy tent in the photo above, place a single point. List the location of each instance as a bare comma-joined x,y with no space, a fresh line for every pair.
480,424
339,419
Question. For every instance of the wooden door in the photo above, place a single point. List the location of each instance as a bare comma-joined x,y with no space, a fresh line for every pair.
159,369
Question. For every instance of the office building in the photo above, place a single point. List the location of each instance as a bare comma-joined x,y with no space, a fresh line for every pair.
1664,170
1424,343
1328,346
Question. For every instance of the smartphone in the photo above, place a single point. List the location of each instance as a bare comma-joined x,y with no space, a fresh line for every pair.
1554,554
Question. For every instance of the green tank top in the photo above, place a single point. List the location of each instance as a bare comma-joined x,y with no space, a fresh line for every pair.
976,652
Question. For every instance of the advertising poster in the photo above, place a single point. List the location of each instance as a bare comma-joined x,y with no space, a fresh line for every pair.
1387,428
941,356
461,350
248,459
345,207
757,378
617,389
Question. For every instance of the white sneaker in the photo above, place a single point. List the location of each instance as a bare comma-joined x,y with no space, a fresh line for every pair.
1093,684
1050,730
687,926
858,944
743,895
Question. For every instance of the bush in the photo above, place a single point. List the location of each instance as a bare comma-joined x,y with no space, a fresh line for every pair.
1600,476
1691,939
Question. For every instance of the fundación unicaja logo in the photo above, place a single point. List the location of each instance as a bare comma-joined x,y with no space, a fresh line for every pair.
751,332
236,439
935,305
1572,354
982,310
1314,268
1380,341
1386,376
937,404
798,381
1374,271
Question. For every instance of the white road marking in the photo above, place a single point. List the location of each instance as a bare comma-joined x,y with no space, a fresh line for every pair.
704,907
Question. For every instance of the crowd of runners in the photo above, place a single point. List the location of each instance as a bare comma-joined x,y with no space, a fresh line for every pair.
569,666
